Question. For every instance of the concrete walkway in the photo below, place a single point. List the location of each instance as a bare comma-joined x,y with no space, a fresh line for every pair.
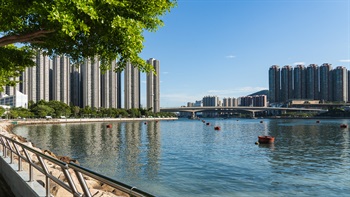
4,188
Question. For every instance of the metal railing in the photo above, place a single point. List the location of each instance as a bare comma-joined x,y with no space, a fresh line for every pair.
12,148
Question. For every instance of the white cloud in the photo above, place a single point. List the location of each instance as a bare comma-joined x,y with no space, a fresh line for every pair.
230,56
299,63
344,60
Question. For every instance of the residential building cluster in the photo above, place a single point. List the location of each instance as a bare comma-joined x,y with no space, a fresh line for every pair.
313,82
83,85
251,101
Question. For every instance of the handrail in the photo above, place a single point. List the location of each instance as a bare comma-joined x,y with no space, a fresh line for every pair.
16,147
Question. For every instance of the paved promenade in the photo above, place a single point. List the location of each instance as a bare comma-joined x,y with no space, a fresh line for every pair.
5,190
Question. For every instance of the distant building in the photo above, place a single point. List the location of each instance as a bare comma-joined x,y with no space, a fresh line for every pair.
61,79
340,86
312,82
132,90
90,78
110,88
210,101
247,101
325,82
286,83
36,79
16,100
229,102
153,86
274,84
299,82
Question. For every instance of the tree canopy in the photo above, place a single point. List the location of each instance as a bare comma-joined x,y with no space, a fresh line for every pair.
109,29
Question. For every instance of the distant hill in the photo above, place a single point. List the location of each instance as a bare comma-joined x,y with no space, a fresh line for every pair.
261,92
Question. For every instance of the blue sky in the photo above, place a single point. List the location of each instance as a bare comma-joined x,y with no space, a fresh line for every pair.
225,48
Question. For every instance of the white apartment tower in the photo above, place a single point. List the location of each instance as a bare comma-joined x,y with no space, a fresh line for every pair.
75,86
61,79
131,87
35,80
153,87
110,88
90,78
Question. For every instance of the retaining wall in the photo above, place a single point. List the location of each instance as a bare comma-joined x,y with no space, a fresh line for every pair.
18,180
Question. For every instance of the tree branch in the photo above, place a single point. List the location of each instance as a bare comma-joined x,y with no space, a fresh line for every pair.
28,37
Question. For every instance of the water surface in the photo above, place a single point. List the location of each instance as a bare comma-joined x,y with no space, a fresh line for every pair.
190,158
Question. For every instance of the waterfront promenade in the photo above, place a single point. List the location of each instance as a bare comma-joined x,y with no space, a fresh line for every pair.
4,188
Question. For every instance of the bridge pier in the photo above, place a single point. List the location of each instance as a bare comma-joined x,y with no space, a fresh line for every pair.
253,114
193,115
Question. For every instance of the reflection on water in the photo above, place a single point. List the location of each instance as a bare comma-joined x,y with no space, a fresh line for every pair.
131,148
189,158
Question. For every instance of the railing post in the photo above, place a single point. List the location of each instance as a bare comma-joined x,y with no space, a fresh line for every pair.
47,186
4,153
69,180
83,184
31,175
19,157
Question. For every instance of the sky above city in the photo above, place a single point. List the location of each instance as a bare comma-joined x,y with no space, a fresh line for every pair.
225,48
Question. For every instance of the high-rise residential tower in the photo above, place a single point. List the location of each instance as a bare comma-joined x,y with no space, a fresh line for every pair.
76,86
211,101
153,86
110,88
229,102
61,79
286,83
299,82
36,79
132,90
90,77
312,82
274,84
325,82
340,79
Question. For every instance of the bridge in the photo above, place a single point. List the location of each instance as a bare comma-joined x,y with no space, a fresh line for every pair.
220,109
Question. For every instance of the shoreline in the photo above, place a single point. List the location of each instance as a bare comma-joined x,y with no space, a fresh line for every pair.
96,188
83,120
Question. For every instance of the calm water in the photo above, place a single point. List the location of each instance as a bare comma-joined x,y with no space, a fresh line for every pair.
189,158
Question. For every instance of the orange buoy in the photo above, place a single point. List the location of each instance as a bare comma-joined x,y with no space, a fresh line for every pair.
217,128
109,126
343,126
266,139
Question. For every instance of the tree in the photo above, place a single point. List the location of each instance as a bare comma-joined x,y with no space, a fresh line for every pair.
2,111
42,111
13,62
110,30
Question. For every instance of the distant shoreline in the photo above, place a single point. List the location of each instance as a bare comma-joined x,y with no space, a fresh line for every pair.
83,120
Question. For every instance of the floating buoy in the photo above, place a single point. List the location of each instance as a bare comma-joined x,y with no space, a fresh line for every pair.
145,123
109,126
217,128
208,123
317,121
257,143
343,126
266,139
261,121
